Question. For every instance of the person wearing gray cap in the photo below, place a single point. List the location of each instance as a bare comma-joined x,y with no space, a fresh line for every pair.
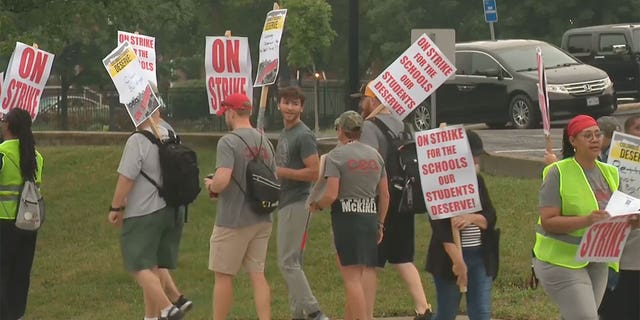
355,177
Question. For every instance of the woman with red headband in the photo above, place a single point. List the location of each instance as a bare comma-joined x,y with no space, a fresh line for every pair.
573,195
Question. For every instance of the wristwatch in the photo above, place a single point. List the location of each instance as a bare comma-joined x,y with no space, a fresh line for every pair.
112,209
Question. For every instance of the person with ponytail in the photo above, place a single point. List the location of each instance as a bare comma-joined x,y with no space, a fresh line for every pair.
573,195
19,161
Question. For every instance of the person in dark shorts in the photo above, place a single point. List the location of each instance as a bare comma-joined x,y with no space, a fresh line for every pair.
398,245
355,176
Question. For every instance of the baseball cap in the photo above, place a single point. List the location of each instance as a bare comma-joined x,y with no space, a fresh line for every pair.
349,121
365,91
236,101
475,142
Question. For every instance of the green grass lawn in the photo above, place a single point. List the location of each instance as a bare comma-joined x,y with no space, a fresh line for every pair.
78,272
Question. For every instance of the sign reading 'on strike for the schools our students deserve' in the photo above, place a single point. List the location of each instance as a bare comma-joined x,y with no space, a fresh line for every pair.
447,172
133,87
26,78
414,76
269,58
145,49
228,69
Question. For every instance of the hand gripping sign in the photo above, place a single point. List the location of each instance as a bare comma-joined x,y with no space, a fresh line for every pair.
227,65
145,49
414,76
133,87
26,77
447,172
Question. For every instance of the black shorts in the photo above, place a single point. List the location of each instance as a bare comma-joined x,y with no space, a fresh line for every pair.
398,243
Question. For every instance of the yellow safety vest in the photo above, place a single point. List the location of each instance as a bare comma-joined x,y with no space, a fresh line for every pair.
577,200
11,178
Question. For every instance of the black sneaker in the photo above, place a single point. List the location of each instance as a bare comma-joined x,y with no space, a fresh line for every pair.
173,314
427,315
183,304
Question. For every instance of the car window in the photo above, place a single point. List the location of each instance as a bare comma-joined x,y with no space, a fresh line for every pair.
480,62
463,63
579,43
523,58
636,40
607,41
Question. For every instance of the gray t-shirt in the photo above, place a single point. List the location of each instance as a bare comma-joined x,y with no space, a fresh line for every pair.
233,207
359,168
294,145
550,189
140,154
371,134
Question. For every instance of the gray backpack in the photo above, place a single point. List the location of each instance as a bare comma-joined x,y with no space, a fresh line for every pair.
30,207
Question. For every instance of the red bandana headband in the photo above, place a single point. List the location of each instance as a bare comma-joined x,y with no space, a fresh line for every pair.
579,123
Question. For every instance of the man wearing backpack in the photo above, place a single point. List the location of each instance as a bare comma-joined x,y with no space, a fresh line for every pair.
151,230
297,166
398,245
241,233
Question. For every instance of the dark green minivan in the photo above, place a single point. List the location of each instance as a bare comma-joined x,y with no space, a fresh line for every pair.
614,48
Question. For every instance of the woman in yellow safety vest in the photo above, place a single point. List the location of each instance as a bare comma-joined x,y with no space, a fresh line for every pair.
18,159
573,195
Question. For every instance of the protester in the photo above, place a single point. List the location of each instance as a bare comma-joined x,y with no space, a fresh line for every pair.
607,125
240,236
297,166
19,161
398,245
355,176
573,195
621,301
151,230
477,266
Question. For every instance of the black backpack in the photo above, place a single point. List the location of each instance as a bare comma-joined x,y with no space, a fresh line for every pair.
403,172
179,167
263,190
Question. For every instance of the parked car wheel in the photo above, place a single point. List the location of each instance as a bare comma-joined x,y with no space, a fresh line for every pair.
522,112
421,116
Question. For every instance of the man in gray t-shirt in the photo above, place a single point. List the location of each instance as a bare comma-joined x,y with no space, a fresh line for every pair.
398,245
297,166
240,236
147,223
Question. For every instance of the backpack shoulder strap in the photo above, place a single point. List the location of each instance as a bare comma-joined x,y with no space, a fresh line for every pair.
155,141
383,128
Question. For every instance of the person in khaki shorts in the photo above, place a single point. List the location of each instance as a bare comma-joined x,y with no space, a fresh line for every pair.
240,236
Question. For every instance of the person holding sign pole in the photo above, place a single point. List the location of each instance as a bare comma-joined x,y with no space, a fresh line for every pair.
573,195
18,159
296,166
476,265
398,245
621,302
358,194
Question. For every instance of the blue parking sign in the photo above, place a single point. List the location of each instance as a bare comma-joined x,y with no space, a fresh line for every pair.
490,11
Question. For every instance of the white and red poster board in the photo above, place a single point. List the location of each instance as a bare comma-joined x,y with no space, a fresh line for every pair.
269,58
227,63
624,154
543,96
133,87
603,241
145,49
26,77
447,172
414,76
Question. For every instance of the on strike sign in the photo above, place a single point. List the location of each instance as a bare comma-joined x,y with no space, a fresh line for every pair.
447,172
604,240
26,78
415,75
227,65
145,49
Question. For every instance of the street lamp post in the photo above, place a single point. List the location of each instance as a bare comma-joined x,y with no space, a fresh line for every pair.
317,102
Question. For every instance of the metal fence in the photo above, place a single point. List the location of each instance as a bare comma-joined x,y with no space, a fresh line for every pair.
88,110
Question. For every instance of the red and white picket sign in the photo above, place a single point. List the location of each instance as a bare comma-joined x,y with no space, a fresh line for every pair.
145,49
543,96
603,241
447,172
26,78
228,69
